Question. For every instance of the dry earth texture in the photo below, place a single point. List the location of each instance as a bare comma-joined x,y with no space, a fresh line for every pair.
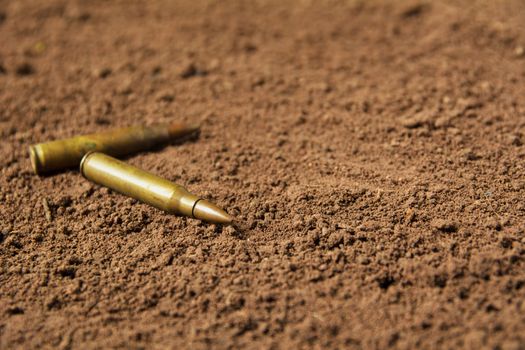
373,150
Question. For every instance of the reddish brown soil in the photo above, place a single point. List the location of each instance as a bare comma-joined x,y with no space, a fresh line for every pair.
374,150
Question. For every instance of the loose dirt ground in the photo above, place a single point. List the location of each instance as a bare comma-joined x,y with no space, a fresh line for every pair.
374,150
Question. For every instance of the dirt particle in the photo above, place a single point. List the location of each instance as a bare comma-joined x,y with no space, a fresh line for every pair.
38,237
15,310
67,271
47,210
258,81
491,308
363,260
469,155
297,222
334,240
165,259
103,73
250,47
192,71
410,216
166,97
156,70
241,226
494,224
414,11
393,339
83,17
443,225
53,302
440,281
314,238
515,140
64,201
229,230
463,293
102,121
442,122
416,121
11,241
25,69
74,260
125,87
506,242
385,281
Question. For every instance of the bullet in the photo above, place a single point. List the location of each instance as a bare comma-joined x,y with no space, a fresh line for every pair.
149,188
62,154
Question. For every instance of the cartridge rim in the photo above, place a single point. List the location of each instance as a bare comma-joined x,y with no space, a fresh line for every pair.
36,163
84,158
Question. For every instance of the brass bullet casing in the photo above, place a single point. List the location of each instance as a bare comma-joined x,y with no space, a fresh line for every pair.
67,153
149,188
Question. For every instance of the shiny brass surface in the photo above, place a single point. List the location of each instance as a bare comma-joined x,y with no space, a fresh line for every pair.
67,153
207,211
148,188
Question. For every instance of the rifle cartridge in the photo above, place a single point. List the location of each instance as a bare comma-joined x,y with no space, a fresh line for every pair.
149,188
67,153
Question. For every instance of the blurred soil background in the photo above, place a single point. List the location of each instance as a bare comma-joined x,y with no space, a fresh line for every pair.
373,149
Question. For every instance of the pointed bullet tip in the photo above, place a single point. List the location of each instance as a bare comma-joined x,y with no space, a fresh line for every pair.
181,129
209,212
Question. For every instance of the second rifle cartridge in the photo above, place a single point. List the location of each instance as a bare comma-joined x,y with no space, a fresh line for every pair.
67,153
